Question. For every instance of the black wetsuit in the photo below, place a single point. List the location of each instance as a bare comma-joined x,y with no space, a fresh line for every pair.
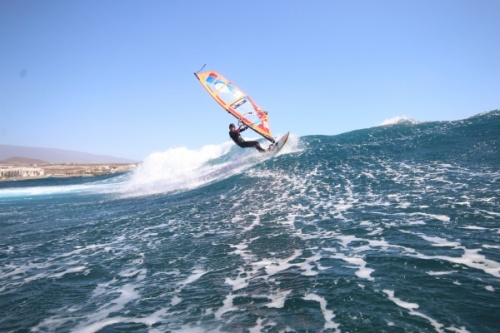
242,143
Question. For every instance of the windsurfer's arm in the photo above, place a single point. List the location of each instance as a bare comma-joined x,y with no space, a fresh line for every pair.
242,128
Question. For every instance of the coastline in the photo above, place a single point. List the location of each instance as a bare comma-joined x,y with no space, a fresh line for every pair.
14,171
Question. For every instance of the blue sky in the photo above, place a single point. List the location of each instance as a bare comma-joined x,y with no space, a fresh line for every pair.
115,77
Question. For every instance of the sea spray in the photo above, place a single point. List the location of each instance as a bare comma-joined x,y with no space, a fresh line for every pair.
172,170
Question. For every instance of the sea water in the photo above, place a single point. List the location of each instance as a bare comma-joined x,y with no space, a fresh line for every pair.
394,228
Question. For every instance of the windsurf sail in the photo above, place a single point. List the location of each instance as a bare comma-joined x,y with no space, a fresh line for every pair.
236,102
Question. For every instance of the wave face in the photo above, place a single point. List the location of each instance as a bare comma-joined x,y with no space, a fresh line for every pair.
388,229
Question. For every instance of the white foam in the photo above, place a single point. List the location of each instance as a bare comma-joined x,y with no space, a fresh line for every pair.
278,299
175,169
227,305
363,272
411,307
258,328
473,227
149,321
273,266
399,120
442,218
403,304
140,274
438,241
366,174
328,315
197,274
175,300
495,214
438,273
307,267
77,269
486,246
255,222
52,190
470,257
100,319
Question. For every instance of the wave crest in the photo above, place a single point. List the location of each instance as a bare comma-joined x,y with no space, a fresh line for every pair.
173,169
399,120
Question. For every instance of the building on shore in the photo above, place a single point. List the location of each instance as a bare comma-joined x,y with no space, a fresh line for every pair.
20,172
13,172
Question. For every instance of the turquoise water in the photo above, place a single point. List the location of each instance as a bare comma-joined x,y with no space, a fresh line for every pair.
390,229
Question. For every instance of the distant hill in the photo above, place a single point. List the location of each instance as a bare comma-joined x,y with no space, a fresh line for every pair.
22,160
50,155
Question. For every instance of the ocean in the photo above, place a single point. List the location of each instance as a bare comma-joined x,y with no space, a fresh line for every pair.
394,228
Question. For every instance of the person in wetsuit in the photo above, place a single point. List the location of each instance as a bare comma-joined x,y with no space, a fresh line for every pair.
235,135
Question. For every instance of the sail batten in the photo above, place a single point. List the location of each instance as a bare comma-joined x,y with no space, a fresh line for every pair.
236,102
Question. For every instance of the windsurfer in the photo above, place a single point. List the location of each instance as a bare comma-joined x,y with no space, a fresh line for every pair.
235,135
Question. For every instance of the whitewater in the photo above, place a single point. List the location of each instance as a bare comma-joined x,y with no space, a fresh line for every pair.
394,228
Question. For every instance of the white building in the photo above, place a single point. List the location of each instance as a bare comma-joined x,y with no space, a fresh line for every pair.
20,172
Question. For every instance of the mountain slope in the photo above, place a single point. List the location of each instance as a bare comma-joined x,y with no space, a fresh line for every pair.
51,155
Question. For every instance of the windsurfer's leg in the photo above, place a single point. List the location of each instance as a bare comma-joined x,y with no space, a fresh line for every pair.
246,144
258,147
251,144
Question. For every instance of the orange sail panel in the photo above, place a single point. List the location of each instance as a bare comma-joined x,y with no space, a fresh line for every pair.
236,102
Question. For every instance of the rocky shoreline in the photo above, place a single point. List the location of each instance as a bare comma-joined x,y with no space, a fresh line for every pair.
34,171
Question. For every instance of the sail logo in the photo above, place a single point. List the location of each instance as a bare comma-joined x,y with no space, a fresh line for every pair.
238,103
